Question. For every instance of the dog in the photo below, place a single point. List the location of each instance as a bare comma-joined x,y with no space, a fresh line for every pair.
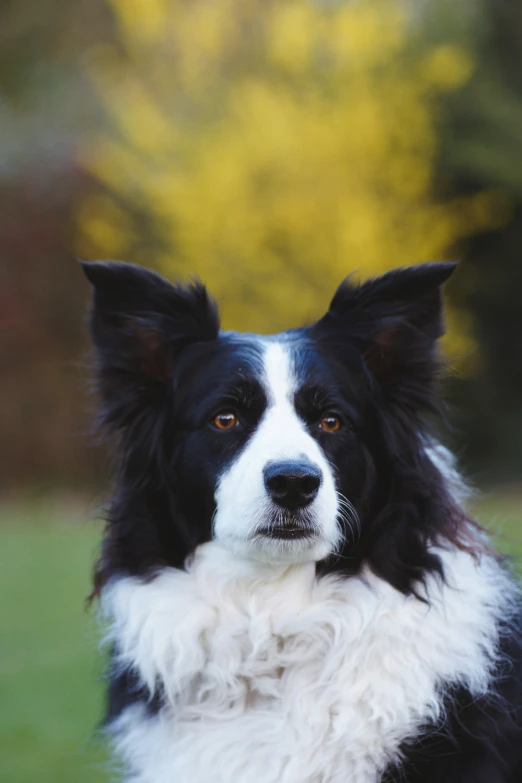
293,590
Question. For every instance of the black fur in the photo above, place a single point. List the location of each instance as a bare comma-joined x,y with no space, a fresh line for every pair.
164,368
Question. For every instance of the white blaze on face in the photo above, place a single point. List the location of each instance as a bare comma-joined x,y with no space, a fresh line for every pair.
243,503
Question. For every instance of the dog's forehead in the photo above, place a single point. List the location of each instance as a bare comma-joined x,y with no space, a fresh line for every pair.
283,362
279,364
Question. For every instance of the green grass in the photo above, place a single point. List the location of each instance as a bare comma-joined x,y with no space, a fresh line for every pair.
502,515
50,670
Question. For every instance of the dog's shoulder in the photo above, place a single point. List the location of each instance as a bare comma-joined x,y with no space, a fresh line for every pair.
477,739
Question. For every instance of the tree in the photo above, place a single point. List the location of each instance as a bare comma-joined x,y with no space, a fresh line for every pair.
482,148
271,147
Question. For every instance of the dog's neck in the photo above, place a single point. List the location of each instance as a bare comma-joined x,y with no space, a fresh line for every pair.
244,650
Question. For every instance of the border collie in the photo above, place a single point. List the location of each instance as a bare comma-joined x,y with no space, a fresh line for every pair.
294,593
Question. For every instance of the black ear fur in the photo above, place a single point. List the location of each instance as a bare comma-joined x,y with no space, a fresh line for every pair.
139,324
395,320
408,297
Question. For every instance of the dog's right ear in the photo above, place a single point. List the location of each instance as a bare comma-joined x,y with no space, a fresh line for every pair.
139,325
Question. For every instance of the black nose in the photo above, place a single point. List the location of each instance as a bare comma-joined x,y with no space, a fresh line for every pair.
292,483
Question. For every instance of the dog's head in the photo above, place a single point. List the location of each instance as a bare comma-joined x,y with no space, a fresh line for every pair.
277,446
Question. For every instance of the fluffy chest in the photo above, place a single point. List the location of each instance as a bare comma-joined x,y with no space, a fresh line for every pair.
274,675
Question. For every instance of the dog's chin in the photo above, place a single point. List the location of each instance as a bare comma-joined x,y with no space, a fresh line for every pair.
285,539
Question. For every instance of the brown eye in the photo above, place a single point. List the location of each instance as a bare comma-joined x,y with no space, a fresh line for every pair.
330,422
225,421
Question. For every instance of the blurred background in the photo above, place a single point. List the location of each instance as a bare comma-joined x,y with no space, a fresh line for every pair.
271,147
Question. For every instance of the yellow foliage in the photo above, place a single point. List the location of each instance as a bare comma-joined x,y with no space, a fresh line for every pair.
275,146
448,66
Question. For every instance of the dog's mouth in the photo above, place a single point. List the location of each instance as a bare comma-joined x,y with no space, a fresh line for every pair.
285,525
287,532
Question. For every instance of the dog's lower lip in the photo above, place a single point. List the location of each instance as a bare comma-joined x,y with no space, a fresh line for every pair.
286,532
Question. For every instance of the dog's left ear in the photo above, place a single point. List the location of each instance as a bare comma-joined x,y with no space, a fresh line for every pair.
395,320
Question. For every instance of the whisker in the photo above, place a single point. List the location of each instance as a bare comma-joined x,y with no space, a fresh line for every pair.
349,521
212,528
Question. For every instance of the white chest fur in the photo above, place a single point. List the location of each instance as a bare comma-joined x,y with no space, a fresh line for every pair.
272,676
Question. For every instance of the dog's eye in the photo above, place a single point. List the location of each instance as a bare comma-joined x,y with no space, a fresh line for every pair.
330,422
225,420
